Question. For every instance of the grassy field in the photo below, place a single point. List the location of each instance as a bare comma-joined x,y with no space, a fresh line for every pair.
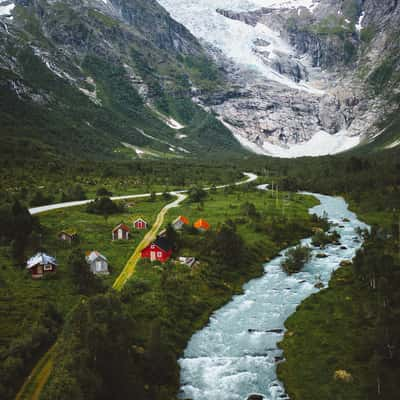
24,302
227,204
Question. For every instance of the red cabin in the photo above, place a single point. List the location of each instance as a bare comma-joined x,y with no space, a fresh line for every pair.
121,232
140,224
159,250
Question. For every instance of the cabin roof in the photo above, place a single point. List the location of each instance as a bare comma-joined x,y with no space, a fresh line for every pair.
122,226
202,223
183,219
163,243
95,255
40,259
137,219
69,232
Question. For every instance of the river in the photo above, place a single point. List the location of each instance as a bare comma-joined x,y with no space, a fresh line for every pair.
235,355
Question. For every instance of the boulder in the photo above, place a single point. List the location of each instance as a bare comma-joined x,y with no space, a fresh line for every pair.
256,397
346,263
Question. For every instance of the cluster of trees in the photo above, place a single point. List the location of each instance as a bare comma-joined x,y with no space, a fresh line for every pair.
85,281
104,206
16,228
42,198
197,194
73,193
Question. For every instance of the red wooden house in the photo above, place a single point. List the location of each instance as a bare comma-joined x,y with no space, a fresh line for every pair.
41,264
159,250
140,224
121,232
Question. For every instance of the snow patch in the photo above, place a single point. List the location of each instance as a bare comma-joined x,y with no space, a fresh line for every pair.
171,146
140,152
172,123
6,8
321,144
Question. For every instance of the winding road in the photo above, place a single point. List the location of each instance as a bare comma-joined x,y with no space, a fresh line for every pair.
51,207
36,381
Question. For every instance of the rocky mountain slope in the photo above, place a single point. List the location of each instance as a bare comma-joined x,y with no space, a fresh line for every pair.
307,77
124,78
101,79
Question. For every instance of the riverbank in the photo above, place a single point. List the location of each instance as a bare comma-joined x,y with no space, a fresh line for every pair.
349,327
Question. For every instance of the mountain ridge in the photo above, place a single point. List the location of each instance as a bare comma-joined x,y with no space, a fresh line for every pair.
93,74
122,79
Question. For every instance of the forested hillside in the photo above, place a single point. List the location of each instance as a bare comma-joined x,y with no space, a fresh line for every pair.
103,80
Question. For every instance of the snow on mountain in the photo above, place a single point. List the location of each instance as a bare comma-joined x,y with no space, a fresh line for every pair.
290,94
235,38
6,7
268,62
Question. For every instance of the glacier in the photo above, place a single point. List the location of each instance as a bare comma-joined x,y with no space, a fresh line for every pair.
266,120
235,38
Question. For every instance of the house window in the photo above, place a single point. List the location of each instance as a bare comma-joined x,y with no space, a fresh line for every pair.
159,254
98,266
48,267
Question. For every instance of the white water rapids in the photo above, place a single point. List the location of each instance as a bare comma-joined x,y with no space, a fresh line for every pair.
234,355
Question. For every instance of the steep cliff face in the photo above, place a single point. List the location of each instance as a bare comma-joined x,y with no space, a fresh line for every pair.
310,77
104,78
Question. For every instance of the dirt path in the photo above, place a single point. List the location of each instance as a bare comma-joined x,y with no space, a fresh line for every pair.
34,384
130,266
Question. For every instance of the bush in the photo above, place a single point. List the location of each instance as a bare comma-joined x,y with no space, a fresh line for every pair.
322,239
197,195
104,206
103,192
295,259
73,193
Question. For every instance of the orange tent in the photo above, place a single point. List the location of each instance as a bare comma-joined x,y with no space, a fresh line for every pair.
202,224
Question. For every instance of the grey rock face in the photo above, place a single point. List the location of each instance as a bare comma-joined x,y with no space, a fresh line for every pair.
327,53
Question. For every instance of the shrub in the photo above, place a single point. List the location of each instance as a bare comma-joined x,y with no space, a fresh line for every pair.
104,206
197,195
295,259
322,239
103,192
